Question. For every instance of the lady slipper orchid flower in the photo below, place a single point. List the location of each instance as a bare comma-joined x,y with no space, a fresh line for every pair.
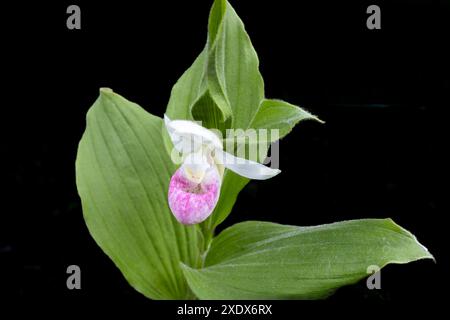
194,188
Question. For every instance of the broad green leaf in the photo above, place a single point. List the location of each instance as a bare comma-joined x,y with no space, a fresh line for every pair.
238,67
187,89
123,172
280,115
261,260
226,71
224,79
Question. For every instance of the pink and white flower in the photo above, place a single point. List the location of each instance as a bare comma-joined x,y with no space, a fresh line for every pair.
194,188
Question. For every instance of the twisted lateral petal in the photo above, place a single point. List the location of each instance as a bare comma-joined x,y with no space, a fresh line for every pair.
192,202
246,168
187,136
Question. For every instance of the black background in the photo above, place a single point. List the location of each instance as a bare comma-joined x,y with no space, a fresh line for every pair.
383,94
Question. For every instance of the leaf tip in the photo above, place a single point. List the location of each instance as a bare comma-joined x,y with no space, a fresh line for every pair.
427,253
319,120
105,90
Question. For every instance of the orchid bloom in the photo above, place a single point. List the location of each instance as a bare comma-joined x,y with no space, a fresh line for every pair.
195,186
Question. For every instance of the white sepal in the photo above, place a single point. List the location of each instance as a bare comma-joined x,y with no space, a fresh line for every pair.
188,136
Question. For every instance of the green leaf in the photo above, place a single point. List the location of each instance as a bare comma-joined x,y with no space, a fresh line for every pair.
280,115
227,71
123,172
236,67
187,89
215,19
261,260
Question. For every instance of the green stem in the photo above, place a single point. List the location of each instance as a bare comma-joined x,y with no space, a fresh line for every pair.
208,234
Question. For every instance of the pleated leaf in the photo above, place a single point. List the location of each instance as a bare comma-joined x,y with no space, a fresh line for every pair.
262,260
123,171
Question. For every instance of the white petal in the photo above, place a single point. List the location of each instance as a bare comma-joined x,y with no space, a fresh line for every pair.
246,168
187,136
